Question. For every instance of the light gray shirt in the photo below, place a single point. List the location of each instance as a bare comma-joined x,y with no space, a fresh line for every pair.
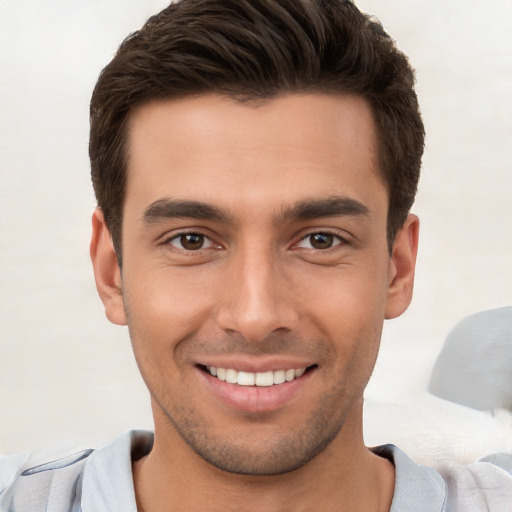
101,481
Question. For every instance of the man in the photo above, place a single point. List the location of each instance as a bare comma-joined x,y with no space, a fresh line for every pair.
254,164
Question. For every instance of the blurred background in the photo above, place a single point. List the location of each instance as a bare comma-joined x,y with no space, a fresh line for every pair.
67,377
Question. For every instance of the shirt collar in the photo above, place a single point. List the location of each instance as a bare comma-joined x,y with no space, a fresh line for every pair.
108,480
417,488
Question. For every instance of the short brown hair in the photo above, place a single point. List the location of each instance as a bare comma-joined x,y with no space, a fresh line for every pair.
250,49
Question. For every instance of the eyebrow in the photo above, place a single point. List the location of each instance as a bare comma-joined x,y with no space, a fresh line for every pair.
308,209
167,208
335,206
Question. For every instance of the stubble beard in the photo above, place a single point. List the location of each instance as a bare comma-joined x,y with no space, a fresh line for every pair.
273,454
260,447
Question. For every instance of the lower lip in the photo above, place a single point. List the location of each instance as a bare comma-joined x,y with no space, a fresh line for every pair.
255,398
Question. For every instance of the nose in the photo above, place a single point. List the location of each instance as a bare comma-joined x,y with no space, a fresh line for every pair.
258,297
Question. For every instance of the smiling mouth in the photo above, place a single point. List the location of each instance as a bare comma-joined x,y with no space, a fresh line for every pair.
260,379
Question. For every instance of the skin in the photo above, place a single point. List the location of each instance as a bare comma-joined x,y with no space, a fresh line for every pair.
256,291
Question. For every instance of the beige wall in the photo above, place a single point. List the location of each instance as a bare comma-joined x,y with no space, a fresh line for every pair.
66,375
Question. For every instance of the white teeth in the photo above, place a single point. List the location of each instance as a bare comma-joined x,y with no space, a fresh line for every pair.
279,377
246,379
231,376
262,379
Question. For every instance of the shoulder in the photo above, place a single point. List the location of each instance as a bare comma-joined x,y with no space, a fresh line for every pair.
90,480
480,486
54,486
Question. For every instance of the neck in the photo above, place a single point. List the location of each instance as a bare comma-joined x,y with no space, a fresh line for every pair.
346,476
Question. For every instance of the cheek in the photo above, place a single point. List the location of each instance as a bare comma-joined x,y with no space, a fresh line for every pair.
348,309
348,296
164,307
163,290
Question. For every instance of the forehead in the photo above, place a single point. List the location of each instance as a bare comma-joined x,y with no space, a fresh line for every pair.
214,149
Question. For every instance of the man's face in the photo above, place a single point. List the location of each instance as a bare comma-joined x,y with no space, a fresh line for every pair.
254,249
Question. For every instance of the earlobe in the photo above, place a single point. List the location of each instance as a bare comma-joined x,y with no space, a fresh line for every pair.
106,270
402,268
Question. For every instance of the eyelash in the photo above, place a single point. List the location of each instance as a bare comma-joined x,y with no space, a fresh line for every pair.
338,240
205,239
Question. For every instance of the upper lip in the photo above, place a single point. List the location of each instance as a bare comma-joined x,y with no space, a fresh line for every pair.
254,364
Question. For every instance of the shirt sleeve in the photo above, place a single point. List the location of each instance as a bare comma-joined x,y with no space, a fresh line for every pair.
10,467
478,487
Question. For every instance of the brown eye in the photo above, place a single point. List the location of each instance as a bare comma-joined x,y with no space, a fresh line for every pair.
189,241
192,241
321,240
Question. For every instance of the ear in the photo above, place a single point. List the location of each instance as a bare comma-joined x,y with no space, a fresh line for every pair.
402,267
106,270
